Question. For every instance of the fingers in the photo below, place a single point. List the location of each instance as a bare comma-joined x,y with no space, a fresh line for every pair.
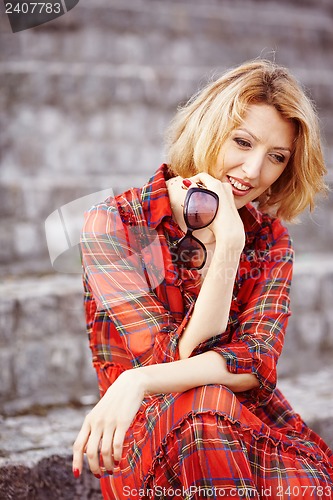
103,431
87,442
118,441
79,448
92,452
205,180
95,443
106,450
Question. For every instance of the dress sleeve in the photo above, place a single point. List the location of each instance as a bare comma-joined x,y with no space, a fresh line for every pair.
257,341
122,266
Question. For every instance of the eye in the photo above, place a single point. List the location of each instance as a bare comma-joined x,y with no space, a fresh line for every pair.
242,142
278,158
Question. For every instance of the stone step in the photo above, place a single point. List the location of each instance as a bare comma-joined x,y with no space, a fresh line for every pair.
37,210
58,121
36,449
44,352
311,395
299,4
42,325
309,338
33,199
180,32
35,457
26,204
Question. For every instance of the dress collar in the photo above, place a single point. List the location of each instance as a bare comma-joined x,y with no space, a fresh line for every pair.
155,197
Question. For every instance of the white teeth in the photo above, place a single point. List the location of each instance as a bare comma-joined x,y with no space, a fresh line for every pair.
238,185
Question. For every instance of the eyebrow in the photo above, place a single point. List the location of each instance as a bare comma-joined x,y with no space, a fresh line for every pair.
258,140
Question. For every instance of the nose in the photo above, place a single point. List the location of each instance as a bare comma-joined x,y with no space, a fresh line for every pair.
252,166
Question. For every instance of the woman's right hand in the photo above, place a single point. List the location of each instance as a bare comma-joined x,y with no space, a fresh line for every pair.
103,431
227,226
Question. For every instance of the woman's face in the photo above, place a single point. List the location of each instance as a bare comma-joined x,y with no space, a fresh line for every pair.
256,153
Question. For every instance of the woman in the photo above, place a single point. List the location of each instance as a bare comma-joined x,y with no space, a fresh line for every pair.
186,329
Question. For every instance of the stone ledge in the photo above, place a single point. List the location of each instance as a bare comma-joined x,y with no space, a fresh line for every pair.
135,4
123,83
50,479
35,461
311,395
31,438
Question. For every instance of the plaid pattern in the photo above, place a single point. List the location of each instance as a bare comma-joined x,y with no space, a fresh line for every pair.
206,442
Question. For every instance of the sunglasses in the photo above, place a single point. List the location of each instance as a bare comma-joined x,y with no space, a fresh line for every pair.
200,209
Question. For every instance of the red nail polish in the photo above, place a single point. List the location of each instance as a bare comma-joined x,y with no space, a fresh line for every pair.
116,463
98,476
187,183
76,473
109,472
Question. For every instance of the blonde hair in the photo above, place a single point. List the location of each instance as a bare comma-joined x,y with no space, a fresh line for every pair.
195,135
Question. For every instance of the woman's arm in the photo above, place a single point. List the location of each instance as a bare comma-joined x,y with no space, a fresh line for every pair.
105,426
211,311
203,369
257,340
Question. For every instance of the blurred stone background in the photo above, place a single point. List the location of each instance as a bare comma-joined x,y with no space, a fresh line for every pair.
84,102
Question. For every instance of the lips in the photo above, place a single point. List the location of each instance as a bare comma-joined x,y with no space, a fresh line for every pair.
239,187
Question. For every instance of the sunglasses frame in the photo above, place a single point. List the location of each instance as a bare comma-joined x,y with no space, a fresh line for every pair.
190,228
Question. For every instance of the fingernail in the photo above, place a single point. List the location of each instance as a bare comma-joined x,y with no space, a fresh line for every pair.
76,473
116,463
187,182
98,476
109,472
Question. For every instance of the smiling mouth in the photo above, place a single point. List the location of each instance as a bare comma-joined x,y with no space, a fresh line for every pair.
239,186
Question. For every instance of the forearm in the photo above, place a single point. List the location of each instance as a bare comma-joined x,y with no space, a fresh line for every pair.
179,376
212,307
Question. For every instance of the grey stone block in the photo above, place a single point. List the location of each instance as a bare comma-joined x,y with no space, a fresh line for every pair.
131,32
48,353
7,388
311,395
54,367
30,367
71,311
39,317
7,321
328,339
314,233
27,240
35,458
7,250
305,290
326,296
311,328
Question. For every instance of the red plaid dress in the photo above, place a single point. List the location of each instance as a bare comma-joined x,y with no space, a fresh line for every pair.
206,442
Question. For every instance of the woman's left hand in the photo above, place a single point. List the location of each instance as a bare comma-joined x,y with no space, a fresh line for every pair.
104,428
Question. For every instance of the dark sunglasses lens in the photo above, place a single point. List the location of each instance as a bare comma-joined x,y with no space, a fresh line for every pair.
201,209
191,254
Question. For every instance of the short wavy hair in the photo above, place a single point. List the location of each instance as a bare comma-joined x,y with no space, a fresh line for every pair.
198,130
